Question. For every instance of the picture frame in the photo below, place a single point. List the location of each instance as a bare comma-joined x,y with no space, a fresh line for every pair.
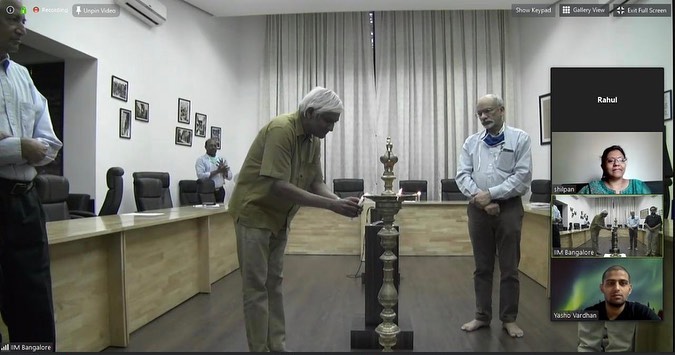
668,105
200,125
125,123
142,111
545,119
183,136
216,134
183,111
119,88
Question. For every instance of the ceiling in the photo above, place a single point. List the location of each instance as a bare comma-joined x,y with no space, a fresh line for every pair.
227,8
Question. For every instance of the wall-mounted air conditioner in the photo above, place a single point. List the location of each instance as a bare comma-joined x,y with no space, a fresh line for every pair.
152,12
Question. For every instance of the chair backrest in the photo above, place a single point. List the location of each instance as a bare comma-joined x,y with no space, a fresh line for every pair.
113,198
187,192
412,186
348,187
450,191
206,191
148,194
541,191
166,183
53,192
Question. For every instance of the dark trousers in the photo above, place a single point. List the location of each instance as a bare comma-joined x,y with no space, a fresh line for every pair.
496,236
632,237
556,236
25,279
220,194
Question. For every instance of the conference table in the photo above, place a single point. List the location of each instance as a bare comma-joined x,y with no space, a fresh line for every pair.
114,274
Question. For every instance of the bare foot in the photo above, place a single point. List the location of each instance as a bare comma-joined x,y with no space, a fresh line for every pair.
474,324
514,330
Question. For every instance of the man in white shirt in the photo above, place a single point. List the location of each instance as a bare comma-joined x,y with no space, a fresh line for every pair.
27,140
210,166
495,170
632,223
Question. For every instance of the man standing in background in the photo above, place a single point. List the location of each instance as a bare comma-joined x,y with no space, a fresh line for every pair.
632,223
495,170
27,140
653,225
209,166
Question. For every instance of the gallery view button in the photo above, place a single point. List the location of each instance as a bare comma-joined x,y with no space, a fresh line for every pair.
529,10
642,10
583,10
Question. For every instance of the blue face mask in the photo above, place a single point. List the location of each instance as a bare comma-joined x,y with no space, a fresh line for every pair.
492,141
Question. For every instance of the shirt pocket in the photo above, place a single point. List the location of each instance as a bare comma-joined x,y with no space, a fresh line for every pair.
506,161
27,118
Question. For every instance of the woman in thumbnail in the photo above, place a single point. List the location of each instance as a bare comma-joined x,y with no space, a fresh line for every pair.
613,164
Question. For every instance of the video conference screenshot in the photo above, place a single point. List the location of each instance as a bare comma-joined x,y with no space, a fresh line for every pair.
531,144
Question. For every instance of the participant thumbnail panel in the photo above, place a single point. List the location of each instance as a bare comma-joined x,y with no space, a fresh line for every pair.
607,163
607,289
607,226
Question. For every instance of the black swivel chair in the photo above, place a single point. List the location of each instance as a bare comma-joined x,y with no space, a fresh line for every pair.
348,187
541,191
450,191
163,177
148,193
206,191
413,186
113,198
187,193
53,193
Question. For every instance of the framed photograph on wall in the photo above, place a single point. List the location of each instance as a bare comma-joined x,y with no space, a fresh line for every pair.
142,111
215,135
545,119
184,136
125,123
183,111
200,125
119,89
668,105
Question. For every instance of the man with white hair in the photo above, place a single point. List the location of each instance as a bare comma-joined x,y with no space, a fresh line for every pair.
281,172
494,171
598,224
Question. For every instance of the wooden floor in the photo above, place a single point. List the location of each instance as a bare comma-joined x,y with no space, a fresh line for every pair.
322,300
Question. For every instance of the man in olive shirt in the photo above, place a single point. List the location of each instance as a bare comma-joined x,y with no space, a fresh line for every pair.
598,224
281,172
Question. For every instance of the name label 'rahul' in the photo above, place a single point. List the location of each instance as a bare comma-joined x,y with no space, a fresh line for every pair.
608,100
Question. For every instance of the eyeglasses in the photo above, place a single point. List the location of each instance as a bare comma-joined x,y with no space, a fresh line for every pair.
617,160
486,111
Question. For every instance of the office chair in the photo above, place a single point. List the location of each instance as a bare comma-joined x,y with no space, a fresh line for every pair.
164,178
541,191
413,186
348,187
450,191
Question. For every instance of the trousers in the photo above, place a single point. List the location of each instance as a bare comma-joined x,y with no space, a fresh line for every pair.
26,301
496,236
261,263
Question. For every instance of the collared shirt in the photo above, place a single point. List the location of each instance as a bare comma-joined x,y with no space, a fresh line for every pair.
653,220
206,164
598,223
280,151
23,114
555,216
633,222
505,170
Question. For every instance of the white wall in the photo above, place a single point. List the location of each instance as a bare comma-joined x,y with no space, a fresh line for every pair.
590,42
576,155
193,56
